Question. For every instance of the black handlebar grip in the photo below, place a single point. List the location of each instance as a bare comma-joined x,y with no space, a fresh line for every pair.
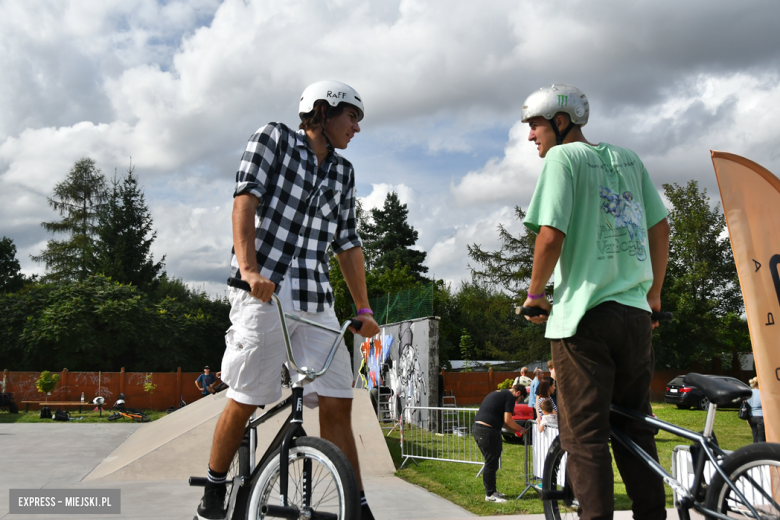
198,481
239,284
355,324
662,316
532,311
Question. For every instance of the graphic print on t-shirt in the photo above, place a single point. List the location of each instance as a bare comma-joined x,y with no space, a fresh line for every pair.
626,215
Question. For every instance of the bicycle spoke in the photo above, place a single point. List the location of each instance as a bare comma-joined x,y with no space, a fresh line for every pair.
753,485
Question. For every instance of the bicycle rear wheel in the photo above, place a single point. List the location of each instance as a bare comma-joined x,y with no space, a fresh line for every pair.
140,417
114,416
554,479
322,482
755,469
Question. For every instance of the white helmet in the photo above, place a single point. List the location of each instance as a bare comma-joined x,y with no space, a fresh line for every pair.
548,101
99,400
334,92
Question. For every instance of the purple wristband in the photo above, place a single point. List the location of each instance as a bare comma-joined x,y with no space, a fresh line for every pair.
365,311
536,296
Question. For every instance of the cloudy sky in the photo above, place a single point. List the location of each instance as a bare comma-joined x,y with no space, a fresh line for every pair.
181,85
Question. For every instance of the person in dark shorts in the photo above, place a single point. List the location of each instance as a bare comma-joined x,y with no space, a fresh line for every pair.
494,412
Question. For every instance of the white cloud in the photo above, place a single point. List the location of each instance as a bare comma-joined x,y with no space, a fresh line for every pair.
510,179
376,199
180,85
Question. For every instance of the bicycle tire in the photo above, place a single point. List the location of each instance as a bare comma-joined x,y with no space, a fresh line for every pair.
755,469
552,476
139,417
337,494
239,467
114,417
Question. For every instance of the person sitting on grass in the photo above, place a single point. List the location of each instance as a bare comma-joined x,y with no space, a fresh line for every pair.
549,417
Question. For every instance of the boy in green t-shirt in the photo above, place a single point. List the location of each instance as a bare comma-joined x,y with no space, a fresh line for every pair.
602,229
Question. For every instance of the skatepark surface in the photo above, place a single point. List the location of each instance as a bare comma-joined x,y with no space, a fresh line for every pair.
150,464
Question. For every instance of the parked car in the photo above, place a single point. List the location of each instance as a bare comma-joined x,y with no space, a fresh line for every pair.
522,413
687,396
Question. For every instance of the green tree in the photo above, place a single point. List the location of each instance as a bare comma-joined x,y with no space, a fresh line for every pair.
11,277
499,283
497,331
79,199
100,324
467,350
388,239
125,236
510,267
701,286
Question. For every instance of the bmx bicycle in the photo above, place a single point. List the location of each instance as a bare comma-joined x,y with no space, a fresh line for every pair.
126,413
297,476
745,483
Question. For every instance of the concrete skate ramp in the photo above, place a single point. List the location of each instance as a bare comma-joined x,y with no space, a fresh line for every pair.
178,445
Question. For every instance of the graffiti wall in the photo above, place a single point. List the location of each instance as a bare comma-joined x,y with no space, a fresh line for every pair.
404,357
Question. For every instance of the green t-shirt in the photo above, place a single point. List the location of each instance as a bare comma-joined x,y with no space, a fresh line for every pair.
602,199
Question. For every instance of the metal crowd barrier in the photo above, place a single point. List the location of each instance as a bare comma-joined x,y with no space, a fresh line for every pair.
537,444
439,433
683,470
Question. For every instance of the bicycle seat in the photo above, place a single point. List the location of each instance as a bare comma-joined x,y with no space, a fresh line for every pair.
718,391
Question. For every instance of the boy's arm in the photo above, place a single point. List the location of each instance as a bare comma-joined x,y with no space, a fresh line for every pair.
244,207
354,270
658,242
547,250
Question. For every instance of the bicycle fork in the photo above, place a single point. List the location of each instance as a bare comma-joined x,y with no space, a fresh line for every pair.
295,431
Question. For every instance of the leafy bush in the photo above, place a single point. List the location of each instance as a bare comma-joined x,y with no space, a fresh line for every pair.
47,382
506,384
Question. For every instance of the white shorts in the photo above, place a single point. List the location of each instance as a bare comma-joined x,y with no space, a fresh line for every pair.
255,351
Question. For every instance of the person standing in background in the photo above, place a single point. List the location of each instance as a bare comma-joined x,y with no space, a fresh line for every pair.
756,420
204,381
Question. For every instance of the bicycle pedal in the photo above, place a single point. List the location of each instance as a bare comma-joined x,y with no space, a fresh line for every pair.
552,495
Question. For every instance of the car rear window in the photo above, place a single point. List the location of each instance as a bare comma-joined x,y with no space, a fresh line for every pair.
734,381
676,381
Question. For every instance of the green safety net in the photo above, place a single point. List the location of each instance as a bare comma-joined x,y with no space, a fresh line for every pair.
416,302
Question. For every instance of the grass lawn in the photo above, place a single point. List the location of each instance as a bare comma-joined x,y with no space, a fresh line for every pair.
87,416
458,482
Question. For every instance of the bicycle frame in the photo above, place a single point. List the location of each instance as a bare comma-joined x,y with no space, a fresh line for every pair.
293,427
703,440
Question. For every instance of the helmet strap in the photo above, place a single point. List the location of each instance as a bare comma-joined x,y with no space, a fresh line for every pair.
322,126
560,136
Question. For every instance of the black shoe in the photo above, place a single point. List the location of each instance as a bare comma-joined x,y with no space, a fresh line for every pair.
212,505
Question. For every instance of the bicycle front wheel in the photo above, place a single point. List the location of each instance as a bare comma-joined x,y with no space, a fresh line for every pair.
239,467
755,470
554,479
321,483
140,417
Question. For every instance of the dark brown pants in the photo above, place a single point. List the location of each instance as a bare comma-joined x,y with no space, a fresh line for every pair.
609,360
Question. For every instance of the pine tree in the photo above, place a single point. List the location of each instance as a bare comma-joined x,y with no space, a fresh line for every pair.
510,267
11,277
389,239
125,236
79,198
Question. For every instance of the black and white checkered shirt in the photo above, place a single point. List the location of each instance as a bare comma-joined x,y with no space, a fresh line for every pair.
302,209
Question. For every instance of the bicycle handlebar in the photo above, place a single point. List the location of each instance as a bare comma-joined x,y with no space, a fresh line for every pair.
308,372
538,311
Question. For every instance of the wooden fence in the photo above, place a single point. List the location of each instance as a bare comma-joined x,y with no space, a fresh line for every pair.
170,387
470,388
